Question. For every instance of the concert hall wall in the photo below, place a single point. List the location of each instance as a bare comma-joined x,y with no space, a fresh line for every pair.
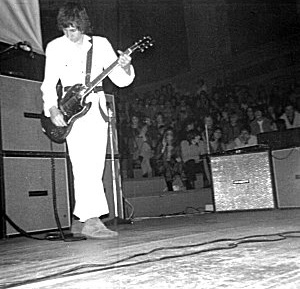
193,38
260,22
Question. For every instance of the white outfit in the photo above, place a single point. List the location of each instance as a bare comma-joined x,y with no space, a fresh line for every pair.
87,140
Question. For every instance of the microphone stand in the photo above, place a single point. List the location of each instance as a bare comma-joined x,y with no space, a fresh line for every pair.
25,46
117,220
7,49
207,139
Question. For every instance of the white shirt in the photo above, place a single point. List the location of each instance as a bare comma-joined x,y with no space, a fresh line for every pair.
260,123
66,60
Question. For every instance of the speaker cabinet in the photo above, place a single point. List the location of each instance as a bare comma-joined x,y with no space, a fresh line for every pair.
28,193
277,140
242,181
21,105
286,165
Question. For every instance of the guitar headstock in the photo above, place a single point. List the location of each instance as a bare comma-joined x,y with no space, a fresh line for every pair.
141,45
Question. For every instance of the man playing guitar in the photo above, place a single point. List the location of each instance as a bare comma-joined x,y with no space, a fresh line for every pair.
66,60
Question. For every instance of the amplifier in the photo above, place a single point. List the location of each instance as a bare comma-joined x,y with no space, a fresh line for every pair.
242,181
280,139
20,109
28,193
286,164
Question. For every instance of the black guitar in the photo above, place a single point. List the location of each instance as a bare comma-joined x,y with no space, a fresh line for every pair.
73,105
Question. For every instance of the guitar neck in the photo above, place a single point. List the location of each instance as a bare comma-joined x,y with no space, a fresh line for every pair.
105,73
140,45
101,76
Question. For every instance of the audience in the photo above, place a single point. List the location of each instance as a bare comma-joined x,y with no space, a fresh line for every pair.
231,116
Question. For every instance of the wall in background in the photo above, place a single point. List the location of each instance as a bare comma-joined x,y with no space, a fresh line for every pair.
193,38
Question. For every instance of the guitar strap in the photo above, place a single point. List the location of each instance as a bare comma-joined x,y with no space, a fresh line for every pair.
89,64
88,76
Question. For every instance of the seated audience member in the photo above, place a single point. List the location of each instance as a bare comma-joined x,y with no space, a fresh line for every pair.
291,117
169,90
280,125
271,112
261,123
133,132
169,162
159,120
152,131
232,130
188,125
183,111
159,127
145,151
249,115
191,150
245,139
153,108
216,143
168,111
201,86
224,119
209,125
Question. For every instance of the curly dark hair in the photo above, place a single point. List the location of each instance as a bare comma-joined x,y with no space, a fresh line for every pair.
192,134
73,14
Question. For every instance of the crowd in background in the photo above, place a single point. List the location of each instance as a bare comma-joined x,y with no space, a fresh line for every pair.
169,133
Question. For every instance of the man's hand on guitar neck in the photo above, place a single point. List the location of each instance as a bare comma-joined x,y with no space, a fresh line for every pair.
57,117
125,61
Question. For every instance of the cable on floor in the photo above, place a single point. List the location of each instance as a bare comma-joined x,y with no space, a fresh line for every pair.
98,267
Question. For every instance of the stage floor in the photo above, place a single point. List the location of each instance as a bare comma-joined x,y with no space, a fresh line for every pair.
211,250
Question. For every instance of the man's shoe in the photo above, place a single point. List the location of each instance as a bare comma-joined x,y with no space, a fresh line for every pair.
94,229
76,228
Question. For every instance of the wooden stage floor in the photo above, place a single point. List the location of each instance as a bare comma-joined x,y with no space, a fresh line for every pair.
256,249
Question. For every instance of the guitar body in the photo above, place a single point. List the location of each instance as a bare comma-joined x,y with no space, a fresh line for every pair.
72,106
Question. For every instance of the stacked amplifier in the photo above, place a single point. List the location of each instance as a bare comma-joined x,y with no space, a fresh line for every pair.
27,161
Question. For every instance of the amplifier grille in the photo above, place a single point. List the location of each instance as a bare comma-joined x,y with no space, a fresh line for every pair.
242,182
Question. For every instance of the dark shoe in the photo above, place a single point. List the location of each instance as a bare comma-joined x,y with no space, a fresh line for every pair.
206,184
94,229
189,185
170,186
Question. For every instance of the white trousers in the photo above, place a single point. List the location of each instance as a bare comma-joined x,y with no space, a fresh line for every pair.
87,143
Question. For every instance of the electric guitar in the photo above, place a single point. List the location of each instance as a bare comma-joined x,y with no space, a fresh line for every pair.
73,105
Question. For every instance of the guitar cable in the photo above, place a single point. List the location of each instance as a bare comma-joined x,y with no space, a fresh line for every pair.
60,235
52,236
